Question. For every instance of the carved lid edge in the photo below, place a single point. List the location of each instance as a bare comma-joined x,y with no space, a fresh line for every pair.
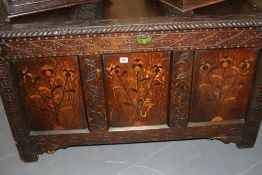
117,28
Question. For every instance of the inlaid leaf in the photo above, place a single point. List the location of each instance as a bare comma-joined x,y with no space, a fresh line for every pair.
217,93
204,85
230,98
217,76
180,62
145,79
57,87
241,86
127,103
134,90
45,89
117,87
71,90
131,79
57,97
157,84
61,79
35,97
149,72
148,100
149,104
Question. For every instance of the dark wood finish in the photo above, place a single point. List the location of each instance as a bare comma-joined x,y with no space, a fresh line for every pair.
181,88
224,132
92,80
254,112
14,113
169,60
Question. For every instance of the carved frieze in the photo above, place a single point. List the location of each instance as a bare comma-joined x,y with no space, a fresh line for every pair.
122,42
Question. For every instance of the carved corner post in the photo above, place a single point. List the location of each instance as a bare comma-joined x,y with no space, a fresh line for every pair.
254,113
14,114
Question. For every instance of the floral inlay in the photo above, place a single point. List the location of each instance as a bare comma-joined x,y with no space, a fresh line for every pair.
223,79
49,89
137,94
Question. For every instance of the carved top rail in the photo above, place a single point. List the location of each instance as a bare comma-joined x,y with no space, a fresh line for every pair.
130,25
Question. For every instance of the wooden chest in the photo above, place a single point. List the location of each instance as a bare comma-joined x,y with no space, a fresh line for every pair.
132,80
185,5
22,7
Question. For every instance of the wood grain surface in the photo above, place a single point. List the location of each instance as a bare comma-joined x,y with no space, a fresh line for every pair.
51,93
137,91
222,84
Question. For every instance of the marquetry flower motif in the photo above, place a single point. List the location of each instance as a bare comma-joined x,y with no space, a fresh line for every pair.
27,76
47,70
114,69
245,64
225,62
158,68
68,72
205,66
49,91
138,65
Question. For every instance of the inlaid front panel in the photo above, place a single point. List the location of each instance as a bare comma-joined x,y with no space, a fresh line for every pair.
137,88
51,93
222,83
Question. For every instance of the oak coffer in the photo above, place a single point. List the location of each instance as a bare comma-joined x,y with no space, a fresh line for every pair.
138,75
